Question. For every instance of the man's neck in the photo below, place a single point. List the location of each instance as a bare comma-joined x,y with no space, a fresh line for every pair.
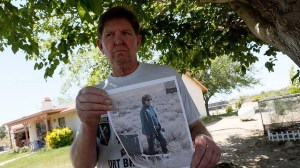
124,71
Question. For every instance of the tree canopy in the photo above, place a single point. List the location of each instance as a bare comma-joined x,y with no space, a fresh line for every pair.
182,34
222,77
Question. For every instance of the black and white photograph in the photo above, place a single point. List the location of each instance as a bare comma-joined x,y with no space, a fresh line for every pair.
150,123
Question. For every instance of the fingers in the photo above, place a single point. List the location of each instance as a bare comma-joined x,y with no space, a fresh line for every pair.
207,153
91,95
198,155
93,99
91,103
212,157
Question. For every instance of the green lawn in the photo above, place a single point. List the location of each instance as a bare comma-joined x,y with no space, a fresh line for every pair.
52,158
5,156
214,118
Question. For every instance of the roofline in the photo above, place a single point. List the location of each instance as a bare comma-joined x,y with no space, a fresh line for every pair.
203,88
24,119
68,110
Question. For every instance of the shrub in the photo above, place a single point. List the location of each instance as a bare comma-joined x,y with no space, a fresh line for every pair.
229,109
24,149
14,150
238,104
294,89
59,137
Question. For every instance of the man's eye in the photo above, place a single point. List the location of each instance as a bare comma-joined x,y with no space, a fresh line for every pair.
126,33
108,34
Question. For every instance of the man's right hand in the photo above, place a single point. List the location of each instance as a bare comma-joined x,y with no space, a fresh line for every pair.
91,103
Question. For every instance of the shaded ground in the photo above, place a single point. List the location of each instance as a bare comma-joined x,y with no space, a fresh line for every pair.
244,145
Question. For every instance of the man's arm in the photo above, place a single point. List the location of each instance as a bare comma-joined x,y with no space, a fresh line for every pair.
207,153
83,150
91,103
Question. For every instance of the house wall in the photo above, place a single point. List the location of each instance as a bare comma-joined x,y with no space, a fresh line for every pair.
54,120
71,119
196,94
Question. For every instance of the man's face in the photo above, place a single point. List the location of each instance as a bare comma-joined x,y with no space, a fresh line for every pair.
148,101
119,43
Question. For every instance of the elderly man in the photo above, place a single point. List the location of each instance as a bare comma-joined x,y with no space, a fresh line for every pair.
119,41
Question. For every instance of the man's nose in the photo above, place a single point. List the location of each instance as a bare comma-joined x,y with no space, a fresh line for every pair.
118,38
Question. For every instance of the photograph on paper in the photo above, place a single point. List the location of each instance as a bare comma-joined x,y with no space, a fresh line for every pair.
150,123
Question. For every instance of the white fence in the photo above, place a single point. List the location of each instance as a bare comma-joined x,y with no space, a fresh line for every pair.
294,135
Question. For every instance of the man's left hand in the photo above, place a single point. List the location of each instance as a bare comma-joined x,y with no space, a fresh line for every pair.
207,153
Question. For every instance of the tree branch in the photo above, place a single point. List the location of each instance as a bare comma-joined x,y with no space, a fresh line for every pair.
256,24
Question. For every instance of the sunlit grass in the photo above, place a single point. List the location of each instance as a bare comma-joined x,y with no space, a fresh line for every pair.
50,158
213,118
6,156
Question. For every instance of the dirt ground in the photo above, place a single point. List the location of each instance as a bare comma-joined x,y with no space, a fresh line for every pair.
244,145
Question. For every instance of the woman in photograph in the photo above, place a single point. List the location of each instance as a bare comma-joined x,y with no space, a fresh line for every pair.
151,126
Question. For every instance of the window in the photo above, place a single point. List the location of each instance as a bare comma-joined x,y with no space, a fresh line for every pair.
62,122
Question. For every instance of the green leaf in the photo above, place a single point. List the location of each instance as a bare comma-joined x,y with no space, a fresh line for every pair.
269,66
49,72
83,13
41,65
56,62
14,48
96,6
36,66
65,59
62,46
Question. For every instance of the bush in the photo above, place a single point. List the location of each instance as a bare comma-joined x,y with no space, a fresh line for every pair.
229,109
238,104
14,150
294,89
24,149
59,137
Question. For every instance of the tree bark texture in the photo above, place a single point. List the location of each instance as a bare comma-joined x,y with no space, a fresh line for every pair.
276,22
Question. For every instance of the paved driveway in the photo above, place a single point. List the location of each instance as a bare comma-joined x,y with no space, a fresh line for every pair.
233,126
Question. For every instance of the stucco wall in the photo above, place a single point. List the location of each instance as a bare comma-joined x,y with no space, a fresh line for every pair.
71,119
196,94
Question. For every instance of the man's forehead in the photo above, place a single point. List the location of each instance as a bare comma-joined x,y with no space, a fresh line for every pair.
120,24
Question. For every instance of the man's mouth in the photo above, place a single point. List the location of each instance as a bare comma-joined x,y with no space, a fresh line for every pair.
117,51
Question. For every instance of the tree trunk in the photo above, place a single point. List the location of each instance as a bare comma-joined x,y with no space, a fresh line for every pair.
206,105
276,22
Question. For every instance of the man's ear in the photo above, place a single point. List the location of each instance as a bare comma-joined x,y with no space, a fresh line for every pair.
139,40
100,45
